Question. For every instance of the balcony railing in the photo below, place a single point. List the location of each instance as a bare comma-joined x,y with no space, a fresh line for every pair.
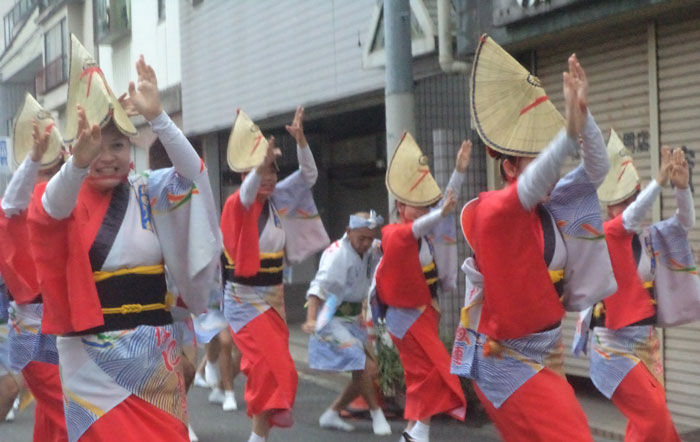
15,17
113,19
54,74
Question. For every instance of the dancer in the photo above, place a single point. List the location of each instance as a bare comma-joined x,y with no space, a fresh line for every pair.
38,150
264,224
339,340
626,361
419,254
9,379
538,250
102,239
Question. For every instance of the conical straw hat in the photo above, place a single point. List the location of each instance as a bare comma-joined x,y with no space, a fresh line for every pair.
510,109
22,137
246,145
622,181
88,88
408,176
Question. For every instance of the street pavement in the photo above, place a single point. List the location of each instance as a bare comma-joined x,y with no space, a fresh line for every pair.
214,425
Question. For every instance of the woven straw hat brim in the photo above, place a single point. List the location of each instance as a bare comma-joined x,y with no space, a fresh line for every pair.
23,130
511,111
247,146
622,180
88,87
408,176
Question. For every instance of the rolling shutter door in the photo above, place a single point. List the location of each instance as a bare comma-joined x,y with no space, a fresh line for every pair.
616,63
679,124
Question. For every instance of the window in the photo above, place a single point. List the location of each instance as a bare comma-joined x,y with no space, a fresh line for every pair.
113,20
14,19
55,71
161,10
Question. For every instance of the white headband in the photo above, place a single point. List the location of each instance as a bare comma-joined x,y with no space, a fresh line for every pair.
374,220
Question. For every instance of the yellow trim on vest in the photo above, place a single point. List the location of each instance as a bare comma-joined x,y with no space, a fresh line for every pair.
556,275
598,310
272,255
140,270
271,269
431,281
128,309
648,284
268,255
429,267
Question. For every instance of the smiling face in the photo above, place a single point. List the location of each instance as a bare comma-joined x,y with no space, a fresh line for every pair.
112,165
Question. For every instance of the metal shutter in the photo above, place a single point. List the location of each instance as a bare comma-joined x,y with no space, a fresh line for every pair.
616,63
679,123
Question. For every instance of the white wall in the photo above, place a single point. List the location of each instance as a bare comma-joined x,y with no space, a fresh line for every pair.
158,41
267,56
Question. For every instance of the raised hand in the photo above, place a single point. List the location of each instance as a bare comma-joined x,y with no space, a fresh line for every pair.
296,129
665,167
463,156
270,156
128,106
450,203
88,145
680,173
144,96
41,141
576,97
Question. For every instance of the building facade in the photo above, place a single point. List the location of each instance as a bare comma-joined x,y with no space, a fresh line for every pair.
35,53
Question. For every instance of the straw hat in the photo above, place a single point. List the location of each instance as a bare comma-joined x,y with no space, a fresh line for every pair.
622,181
88,88
510,109
247,146
408,176
22,136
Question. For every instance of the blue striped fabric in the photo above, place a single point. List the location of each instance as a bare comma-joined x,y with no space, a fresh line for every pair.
26,341
615,352
498,377
399,320
339,346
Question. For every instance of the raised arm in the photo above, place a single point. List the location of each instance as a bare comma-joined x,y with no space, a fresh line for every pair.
595,156
251,182
461,165
19,189
304,154
423,225
61,192
680,178
144,99
635,213
539,177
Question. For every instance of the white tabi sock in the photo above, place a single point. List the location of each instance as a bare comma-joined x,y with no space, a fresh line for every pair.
379,424
255,438
420,432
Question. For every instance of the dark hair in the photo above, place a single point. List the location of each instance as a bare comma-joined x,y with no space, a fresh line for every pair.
158,157
501,157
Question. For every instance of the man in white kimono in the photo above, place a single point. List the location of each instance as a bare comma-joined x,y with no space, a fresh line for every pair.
338,339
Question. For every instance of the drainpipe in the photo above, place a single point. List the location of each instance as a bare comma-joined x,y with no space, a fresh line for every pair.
447,62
